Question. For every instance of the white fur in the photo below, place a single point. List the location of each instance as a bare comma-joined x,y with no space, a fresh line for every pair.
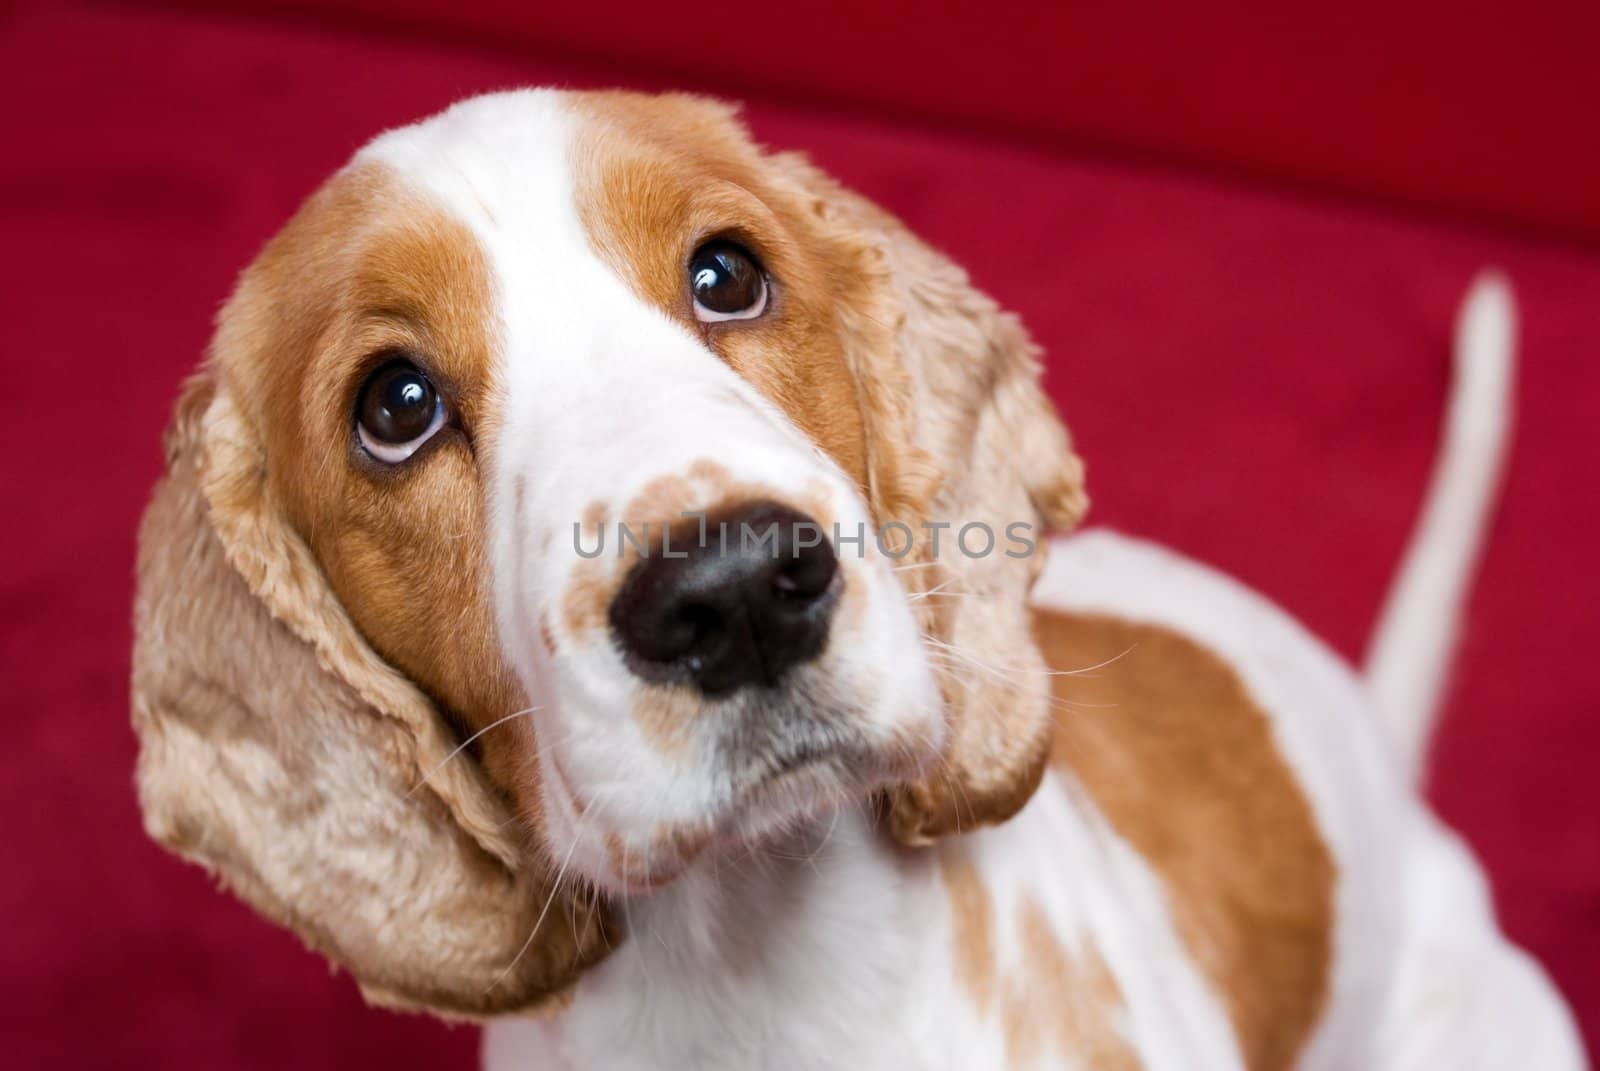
1411,645
824,945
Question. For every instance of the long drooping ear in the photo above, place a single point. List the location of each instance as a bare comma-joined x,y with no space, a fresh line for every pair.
958,433
279,751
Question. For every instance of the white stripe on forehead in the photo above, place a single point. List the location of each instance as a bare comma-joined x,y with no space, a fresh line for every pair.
502,165
581,357
497,161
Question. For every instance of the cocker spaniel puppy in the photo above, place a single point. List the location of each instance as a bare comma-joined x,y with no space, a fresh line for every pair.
591,590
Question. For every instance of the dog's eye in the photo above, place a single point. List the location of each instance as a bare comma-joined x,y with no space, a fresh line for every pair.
727,283
397,411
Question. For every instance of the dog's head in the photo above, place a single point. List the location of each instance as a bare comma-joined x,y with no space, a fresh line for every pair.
562,498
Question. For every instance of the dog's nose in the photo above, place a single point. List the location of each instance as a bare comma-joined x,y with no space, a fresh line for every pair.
741,606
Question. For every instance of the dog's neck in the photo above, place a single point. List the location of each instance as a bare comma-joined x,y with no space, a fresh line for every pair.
835,948
817,943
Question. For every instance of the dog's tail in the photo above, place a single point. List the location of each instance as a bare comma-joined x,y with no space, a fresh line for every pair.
1416,632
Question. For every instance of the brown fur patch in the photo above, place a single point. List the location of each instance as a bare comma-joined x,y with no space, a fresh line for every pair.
666,716
1181,760
369,268
1062,1000
1054,1000
589,588
658,177
588,592
973,918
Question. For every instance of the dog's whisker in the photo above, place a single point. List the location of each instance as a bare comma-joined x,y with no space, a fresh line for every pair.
838,805
555,890
459,748
1001,671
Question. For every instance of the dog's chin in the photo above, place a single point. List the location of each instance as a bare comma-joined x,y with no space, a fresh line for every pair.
771,803
780,761
802,791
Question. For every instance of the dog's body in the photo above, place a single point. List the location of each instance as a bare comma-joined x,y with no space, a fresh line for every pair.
726,808
1052,941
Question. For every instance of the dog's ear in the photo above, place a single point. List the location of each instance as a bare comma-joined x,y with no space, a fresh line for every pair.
280,752
959,433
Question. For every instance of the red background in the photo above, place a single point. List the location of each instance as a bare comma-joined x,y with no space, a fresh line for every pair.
1240,236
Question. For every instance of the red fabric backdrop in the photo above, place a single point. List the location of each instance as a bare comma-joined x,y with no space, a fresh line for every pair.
1254,373
1484,108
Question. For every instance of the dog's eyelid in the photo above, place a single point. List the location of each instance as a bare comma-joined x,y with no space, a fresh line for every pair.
734,233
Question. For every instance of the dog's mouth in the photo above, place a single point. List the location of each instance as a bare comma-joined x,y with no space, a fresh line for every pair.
804,790
758,766
771,797
803,785
806,774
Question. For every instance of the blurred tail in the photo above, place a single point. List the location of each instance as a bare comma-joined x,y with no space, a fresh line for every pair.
1416,632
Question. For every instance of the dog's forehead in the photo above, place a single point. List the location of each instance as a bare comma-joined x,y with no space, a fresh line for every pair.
501,165
523,167
520,171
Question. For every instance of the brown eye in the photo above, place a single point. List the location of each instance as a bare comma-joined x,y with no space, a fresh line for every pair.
727,283
397,411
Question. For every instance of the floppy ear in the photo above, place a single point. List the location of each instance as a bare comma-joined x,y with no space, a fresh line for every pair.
277,750
958,432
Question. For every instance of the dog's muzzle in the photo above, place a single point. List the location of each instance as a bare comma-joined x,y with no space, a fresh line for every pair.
744,598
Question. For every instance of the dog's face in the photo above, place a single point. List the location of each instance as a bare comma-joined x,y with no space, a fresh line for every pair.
554,331
577,429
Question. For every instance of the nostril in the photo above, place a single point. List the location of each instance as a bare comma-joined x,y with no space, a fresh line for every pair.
697,626
805,576
658,628
679,633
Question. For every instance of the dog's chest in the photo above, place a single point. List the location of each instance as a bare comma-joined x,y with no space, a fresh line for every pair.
842,951
807,955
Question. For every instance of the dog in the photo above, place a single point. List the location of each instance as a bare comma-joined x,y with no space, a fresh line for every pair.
446,660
